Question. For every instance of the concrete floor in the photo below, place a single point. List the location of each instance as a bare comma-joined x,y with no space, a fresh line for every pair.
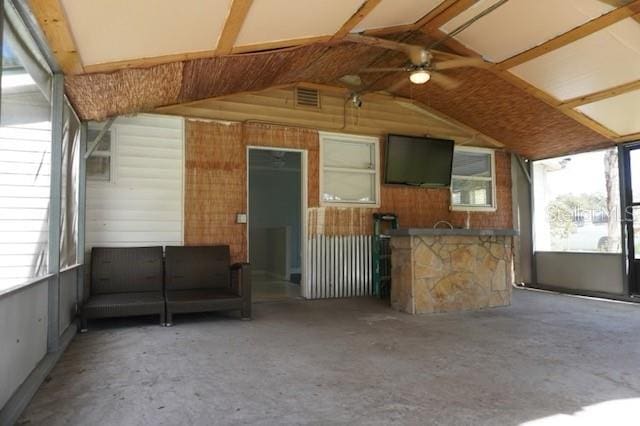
266,289
548,359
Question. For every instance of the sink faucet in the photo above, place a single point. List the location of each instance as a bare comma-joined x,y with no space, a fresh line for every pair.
443,222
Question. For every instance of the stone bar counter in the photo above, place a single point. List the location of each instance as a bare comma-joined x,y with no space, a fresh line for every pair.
447,270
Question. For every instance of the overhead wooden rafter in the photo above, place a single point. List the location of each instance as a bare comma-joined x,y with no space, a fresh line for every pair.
54,25
631,9
575,34
602,94
458,47
232,26
366,8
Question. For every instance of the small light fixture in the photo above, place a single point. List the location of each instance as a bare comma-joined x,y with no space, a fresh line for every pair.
419,76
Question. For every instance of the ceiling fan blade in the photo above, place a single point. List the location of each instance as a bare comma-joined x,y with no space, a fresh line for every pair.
370,70
444,81
417,54
398,85
459,63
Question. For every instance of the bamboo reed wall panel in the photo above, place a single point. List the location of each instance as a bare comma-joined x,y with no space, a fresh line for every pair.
416,207
498,109
215,181
215,189
216,178
484,101
98,96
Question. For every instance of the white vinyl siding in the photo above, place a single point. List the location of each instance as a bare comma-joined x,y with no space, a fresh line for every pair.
142,204
25,163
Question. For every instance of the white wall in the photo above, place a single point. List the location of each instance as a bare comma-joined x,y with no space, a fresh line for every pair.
600,272
143,204
25,162
23,336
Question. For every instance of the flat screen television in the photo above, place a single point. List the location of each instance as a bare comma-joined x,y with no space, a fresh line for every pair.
418,161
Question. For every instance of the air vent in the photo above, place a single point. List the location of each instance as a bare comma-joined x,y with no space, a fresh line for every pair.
306,97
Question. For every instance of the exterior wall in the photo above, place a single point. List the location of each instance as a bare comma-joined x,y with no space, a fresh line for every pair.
450,273
216,189
142,205
216,182
600,272
25,164
23,336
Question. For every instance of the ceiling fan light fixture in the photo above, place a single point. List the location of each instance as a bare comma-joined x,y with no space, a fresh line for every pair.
419,76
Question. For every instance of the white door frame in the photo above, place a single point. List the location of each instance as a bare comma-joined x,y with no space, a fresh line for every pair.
304,194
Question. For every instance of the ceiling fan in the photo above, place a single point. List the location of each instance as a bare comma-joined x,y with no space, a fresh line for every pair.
423,64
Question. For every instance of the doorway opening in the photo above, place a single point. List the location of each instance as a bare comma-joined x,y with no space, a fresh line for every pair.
276,226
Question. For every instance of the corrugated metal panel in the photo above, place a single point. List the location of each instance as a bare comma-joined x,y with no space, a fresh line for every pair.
142,205
339,266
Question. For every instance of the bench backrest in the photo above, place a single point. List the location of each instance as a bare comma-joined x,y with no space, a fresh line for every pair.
126,269
197,267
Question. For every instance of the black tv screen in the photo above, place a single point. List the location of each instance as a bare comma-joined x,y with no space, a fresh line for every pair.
418,161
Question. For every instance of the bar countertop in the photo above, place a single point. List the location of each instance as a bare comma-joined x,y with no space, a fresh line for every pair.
406,232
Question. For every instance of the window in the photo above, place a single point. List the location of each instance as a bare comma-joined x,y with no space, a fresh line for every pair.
349,173
576,203
25,157
473,180
99,163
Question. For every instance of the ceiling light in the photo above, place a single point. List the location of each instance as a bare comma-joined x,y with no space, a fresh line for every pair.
419,77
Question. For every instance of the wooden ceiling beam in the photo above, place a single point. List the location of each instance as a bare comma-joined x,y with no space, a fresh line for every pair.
573,35
53,22
459,48
444,13
628,138
364,10
602,94
232,26
555,103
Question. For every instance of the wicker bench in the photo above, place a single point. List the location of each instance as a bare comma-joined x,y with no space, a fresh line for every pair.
202,279
125,281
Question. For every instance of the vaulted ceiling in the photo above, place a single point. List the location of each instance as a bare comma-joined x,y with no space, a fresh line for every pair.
561,76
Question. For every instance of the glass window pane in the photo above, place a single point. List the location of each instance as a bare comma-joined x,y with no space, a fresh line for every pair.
105,143
25,161
70,187
348,154
466,163
634,158
99,168
349,187
577,203
471,192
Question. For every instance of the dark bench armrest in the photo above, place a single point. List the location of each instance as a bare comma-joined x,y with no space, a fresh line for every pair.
241,279
239,265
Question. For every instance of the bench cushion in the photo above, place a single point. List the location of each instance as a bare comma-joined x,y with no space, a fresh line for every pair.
197,267
126,269
202,300
124,304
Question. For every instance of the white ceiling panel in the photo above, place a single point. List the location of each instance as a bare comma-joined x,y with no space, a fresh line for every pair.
390,13
519,25
602,60
620,113
114,30
275,20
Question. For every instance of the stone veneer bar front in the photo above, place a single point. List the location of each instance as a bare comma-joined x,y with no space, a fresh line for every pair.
447,270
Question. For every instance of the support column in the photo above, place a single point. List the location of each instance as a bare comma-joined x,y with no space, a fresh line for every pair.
82,210
57,117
